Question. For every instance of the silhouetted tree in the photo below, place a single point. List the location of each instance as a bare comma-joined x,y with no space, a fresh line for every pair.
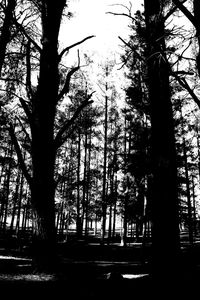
165,235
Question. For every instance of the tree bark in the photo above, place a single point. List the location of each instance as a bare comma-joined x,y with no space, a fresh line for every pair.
43,150
165,222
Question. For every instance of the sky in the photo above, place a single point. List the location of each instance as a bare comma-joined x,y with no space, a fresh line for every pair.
90,18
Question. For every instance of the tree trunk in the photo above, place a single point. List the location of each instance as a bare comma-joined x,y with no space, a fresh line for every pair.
5,30
17,228
43,150
78,209
7,188
104,196
196,5
189,206
85,179
88,179
165,223
114,208
16,195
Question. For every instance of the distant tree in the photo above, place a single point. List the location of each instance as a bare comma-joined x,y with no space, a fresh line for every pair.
137,128
7,9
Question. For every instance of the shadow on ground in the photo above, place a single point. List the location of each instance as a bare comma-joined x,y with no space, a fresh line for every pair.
95,272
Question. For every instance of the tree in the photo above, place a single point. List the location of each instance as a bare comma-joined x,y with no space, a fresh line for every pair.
40,109
6,32
165,235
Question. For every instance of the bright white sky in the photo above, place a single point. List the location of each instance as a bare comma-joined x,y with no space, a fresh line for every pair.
90,18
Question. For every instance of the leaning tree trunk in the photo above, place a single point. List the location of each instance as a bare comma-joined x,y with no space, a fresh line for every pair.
165,229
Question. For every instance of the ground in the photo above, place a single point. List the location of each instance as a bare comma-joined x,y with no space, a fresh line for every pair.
93,271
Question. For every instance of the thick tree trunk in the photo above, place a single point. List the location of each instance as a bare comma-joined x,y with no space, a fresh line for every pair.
43,151
165,223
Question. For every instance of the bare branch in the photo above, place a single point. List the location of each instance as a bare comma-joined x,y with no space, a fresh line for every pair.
22,29
183,82
132,48
65,89
186,12
172,11
19,154
182,72
121,14
72,46
26,110
60,138
24,130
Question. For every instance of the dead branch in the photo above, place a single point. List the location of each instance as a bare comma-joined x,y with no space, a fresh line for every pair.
72,46
132,48
19,154
121,14
186,12
183,82
60,137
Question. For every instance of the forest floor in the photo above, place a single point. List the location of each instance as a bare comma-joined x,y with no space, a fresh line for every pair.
93,271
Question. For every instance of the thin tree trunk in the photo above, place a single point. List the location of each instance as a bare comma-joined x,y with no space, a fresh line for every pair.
114,208
7,189
85,178
189,206
15,198
88,183
6,30
78,209
17,228
194,207
104,200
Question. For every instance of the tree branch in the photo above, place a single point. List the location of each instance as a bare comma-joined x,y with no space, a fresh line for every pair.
72,46
183,82
24,130
172,11
60,139
28,71
26,110
132,48
22,29
65,88
187,13
121,14
19,154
